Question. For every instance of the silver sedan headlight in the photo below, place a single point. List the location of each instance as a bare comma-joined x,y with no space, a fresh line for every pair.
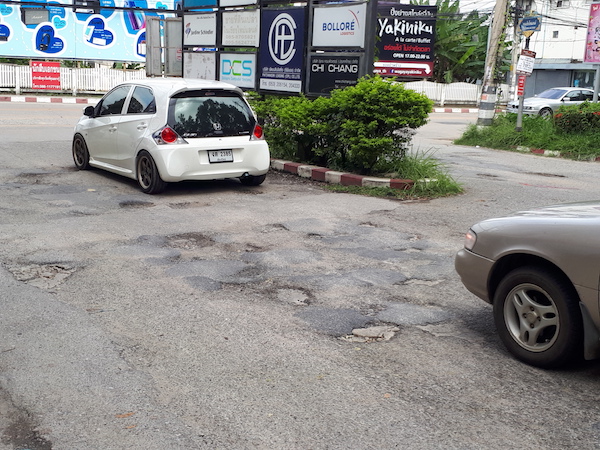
470,239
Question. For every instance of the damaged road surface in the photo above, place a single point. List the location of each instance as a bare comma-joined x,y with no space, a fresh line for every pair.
278,316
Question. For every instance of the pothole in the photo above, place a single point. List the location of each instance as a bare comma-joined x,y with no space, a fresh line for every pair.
45,276
274,227
542,174
371,334
296,297
369,224
189,241
185,205
251,191
135,204
430,283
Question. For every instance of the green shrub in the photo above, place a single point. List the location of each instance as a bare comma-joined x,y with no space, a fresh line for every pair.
578,118
364,128
537,133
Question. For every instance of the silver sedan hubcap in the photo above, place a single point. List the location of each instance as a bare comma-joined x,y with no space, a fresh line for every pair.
531,317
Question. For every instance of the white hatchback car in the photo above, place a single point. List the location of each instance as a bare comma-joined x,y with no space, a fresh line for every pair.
164,130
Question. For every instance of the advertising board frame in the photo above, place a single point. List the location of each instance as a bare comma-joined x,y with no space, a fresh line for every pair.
241,68
282,50
406,39
342,26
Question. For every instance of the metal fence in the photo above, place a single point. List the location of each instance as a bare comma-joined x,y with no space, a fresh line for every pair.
73,81
455,93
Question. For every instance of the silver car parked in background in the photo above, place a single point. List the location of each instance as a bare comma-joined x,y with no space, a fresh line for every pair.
164,130
547,103
540,269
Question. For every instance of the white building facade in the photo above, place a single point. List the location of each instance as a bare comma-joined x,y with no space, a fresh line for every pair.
560,46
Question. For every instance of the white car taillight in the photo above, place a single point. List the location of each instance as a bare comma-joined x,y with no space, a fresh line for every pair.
167,135
257,134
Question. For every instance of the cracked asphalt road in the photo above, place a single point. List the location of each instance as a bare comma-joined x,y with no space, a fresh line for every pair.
217,315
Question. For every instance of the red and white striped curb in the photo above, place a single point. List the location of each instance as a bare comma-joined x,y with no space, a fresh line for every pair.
456,110
538,151
331,176
32,99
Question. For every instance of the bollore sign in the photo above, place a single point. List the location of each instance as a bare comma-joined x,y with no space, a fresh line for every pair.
339,26
406,35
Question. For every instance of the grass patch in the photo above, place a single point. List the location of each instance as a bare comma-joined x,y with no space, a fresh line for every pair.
431,177
537,132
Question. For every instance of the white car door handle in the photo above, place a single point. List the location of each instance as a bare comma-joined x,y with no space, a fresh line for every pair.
142,126
113,128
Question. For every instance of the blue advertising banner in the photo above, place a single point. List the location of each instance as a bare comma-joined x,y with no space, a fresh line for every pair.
86,30
282,50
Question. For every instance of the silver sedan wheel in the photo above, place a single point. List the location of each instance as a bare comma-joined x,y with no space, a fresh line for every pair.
537,315
532,318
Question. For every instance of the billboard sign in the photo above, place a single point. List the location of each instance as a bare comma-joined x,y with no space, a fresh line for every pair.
527,25
197,4
406,35
592,45
282,50
526,62
339,26
333,71
45,75
92,30
200,30
228,3
200,65
241,28
238,69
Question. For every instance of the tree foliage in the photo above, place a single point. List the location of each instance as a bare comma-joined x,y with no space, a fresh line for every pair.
460,43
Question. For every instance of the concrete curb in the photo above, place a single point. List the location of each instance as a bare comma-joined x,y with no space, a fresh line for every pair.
456,110
49,99
538,151
317,173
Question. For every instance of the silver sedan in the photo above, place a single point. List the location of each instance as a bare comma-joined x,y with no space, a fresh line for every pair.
547,103
540,269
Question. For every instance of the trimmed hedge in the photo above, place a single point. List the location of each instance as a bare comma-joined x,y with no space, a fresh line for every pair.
364,129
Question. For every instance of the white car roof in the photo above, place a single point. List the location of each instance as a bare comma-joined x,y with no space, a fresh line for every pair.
569,88
169,86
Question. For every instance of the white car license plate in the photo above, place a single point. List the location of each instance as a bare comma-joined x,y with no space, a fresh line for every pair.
217,156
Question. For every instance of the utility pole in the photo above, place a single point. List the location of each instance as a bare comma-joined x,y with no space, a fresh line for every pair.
487,104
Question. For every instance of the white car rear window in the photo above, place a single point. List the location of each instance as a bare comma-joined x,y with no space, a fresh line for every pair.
209,113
